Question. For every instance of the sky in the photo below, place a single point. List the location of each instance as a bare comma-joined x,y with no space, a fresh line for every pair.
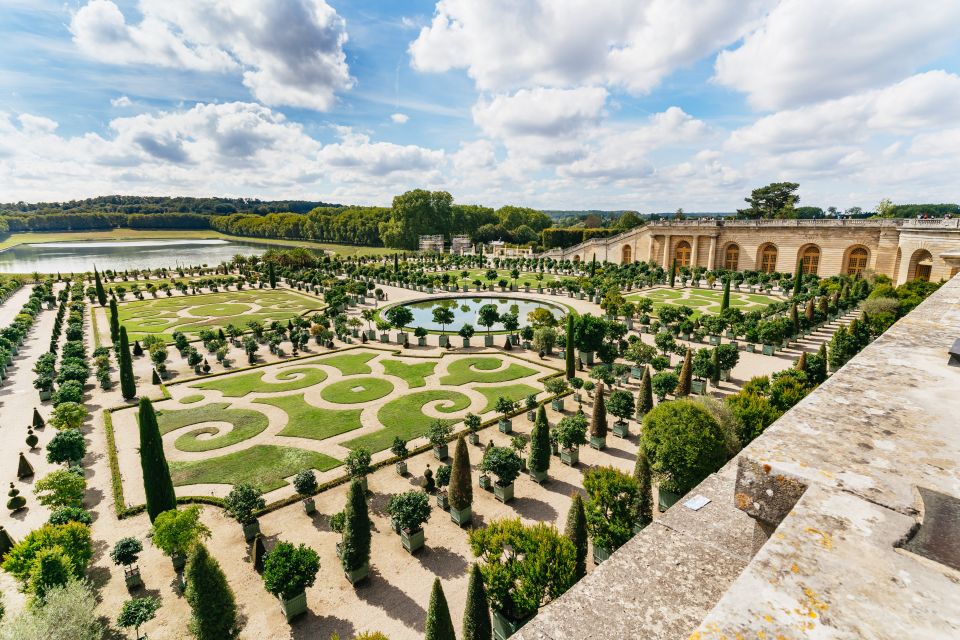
649,105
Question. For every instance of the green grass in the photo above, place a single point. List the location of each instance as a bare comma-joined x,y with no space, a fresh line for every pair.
264,466
702,300
241,385
415,375
404,417
481,369
510,392
308,421
356,390
350,364
246,424
191,399
504,274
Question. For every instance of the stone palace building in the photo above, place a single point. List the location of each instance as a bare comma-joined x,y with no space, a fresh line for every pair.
902,249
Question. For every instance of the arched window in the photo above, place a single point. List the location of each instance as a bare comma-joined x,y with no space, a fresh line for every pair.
810,259
768,258
731,257
857,261
921,264
682,254
626,254
576,259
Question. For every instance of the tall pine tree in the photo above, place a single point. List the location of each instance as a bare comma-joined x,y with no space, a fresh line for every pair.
460,493
798,280
356,529
641,471
98,284
686,376
673,272
571,367
540,443
725,303
272,275
598,421
645,395
576,532
114,322
128,384
212,604
439,624
476,615
157,484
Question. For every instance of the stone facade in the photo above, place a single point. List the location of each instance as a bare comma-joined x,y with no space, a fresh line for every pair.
902,249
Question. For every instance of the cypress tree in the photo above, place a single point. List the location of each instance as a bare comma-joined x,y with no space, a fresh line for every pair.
641,471
725,303
576,532
460,493
798,280
128,384
157,484
396,263
823,305
114,322
794,320
439,624
673,272
715,367
540,443
272,275
801,364
356,529
212,604
571,368
686,376
645,395
101,294
598,421
808,311
476,615
593,266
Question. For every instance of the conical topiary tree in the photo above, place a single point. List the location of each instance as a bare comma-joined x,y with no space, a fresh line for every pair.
673,272
38,422
24,468
157,484
114,322
641,471
476,614
570,364
645,394
539,461
98,285
576,532
598,421
6,542
801,364
725,302
460,493
794,319
128,384
439,624
212,604
686,376
355,552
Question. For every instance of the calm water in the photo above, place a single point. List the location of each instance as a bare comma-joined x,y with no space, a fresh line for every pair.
466,310
120,255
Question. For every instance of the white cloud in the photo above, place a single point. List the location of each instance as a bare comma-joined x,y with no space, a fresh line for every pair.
289,53
810,50
540,112
400,118
122,101
32,124
510,44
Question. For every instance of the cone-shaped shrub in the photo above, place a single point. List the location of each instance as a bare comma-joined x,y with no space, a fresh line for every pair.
686,376
128,385
645,395
114,322
439,624
540,443
801,364
598,422
356,530
38,422
794,320
673,272
157,484
798,280
641,471
460,493
24,468
725,303
476,615
576,532
213,607
98,284
570,362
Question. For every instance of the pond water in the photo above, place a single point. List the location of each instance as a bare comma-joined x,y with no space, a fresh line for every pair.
120,255
466,310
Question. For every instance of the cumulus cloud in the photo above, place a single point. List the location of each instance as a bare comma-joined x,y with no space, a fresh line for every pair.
400,118
122,101
289,53
510,44
540,112
811,50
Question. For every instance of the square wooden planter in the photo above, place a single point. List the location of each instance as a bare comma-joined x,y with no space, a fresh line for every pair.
473,438
440,452
503,493
538,476
357,575
600,554
621,429
401,467
412,540
462,517
442,500
505,426
294,606
250,530
598,443
504,627
570,457
557,404
309,506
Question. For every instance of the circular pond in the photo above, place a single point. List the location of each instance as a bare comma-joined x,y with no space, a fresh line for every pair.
467,310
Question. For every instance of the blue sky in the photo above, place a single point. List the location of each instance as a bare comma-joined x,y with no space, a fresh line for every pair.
569,104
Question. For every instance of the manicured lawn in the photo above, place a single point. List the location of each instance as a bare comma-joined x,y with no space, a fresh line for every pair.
308,421
481,369
296,377
404,417
510,392
502,274
350,364
246,424
414,374
265,466
356,390
703,300
191,399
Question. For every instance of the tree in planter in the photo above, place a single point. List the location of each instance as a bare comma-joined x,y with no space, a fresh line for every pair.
460,494
663,383
355,547
399,317
466,331
621,405
439,625
242,504
137,612
487,316
153,463
126,552
358,465
128,384
176,531
523,567
641,473
539,462
570,360
212,603
725,302
438,434
409,511
613,498
505,407
289,571
66,446
598,420
684,444
571,431
576,532
443,316
114,322
502,462
727,356
305,483
476,614
686,376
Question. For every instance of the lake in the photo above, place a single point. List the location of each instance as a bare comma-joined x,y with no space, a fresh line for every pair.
121,255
